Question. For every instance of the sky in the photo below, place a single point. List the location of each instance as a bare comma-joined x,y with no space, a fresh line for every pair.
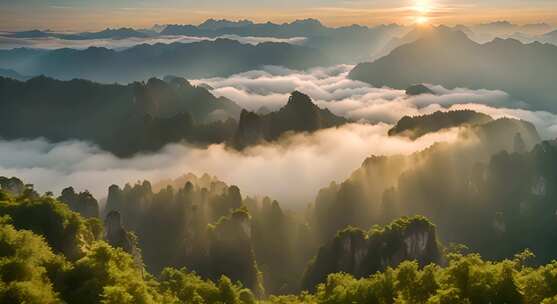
82,15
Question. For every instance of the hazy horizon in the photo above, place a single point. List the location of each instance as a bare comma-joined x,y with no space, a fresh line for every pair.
269,152
65,15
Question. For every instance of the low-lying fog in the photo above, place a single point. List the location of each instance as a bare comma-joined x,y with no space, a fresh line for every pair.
52,43
292,170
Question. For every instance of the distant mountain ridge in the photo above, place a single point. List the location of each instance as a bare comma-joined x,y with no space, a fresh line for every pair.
449,58
12,74
214,28
346,44
221,57
108,33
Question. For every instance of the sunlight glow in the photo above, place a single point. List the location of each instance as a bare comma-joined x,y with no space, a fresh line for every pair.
422,20
422,6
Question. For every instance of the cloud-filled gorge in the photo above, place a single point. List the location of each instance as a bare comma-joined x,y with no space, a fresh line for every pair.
291,170
256,160
300,163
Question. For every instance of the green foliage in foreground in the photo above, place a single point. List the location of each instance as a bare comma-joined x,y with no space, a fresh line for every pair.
32,272
66,232
466,279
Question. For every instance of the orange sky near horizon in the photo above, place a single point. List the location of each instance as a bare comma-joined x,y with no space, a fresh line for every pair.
90,17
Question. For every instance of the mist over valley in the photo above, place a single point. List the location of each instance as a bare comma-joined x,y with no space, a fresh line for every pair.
386,152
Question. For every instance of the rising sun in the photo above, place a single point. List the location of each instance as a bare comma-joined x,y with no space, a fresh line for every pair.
422,20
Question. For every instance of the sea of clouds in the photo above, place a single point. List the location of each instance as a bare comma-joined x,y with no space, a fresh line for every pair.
51,43
331,88
292,170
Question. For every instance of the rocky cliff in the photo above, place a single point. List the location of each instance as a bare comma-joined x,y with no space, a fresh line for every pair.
115,234
81,202
362,253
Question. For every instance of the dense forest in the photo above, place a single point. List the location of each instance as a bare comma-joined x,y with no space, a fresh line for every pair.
361,241
389,152
49,254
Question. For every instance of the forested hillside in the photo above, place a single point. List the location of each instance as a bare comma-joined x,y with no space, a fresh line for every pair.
66,259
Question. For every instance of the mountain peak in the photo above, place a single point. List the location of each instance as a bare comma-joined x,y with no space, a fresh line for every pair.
497,24
300,114
505,42
214,24
298,99
418,89
309,21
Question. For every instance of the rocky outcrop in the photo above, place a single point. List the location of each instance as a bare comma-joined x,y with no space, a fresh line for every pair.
508,134
83,202
250,130
13,185
300,114
115,234
418,89
361,253
417,126
231,252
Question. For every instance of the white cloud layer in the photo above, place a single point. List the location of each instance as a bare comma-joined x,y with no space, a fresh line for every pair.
330,88
52,43
291,171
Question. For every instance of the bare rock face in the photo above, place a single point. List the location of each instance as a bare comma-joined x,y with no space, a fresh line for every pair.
361,253
352,251
115,234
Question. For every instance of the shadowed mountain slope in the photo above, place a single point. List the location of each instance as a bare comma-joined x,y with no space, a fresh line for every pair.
449,58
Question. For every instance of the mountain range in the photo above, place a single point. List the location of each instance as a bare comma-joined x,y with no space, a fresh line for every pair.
448,57
349,44
117,33
221,57
145,116
123,119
